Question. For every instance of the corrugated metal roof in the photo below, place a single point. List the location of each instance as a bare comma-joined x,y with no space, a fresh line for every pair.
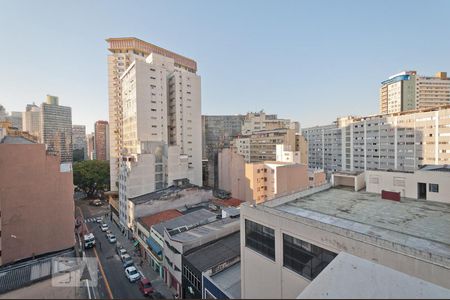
211,255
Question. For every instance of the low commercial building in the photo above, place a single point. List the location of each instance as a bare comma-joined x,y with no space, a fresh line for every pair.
294,238
179,240
181,195
208,260
151,246
223,285
189,219
428,183
36,200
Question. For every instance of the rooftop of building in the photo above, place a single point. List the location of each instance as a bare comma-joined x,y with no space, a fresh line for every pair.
351,277
421,226
133,43
436,168
149,221
230,202
229,280
199,231
16,140
165,194
194,218
212,254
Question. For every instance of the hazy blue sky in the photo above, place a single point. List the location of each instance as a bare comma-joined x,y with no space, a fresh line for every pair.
307,60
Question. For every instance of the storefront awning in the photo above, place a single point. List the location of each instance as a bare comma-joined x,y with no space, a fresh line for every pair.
156,248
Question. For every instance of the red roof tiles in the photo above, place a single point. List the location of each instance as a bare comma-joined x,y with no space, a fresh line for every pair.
151,220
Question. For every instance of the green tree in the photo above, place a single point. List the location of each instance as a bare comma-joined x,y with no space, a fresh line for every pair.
78,155
91,176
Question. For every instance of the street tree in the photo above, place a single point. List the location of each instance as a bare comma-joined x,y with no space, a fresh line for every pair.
91,176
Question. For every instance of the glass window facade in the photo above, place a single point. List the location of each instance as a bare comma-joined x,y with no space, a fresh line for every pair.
260,239
304,258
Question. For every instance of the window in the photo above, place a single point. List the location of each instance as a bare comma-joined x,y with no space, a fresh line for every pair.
304,258
260,239
434,188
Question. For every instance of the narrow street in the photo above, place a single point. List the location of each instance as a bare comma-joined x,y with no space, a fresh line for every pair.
116,284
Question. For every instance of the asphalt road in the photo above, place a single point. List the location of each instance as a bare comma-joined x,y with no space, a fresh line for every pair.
110,262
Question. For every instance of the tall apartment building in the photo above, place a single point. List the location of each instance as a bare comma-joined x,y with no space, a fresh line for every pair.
56,128
101,141
90,146
125,51
79,140
257,121
400,141
262,145
161,103
218,132
36,199
31,119
409,91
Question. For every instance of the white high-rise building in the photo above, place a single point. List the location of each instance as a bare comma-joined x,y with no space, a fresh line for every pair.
124,51
408,91
400,141
161,128
31,119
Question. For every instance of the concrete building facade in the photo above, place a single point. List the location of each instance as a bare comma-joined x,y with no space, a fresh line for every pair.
124,51
261,181
294,238
79,139
427,183
101,140
217,133
90,146
403,141
36,199
31,120
56,128
409,91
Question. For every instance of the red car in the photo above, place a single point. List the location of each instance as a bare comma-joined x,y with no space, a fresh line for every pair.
145,286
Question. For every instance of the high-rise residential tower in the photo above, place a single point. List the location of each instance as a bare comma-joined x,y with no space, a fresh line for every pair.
56,128
101,140
408,91
31,119
123,52
79,141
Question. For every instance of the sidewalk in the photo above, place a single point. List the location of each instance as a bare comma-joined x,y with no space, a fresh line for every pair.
146,270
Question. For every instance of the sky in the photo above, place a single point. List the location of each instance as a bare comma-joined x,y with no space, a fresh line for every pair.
310,61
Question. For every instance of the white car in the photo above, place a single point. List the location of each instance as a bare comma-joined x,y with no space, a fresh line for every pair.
132,274
112,238
104,227
121,252
99,220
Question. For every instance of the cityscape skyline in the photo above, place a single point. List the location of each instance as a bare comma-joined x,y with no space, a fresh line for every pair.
72,68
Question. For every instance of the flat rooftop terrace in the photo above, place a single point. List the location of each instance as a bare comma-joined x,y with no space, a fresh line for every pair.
422,225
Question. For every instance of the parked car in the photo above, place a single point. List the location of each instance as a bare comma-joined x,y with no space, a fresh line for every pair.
145,286
104,227
96,202
132,274
127,261
121,252
112,238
